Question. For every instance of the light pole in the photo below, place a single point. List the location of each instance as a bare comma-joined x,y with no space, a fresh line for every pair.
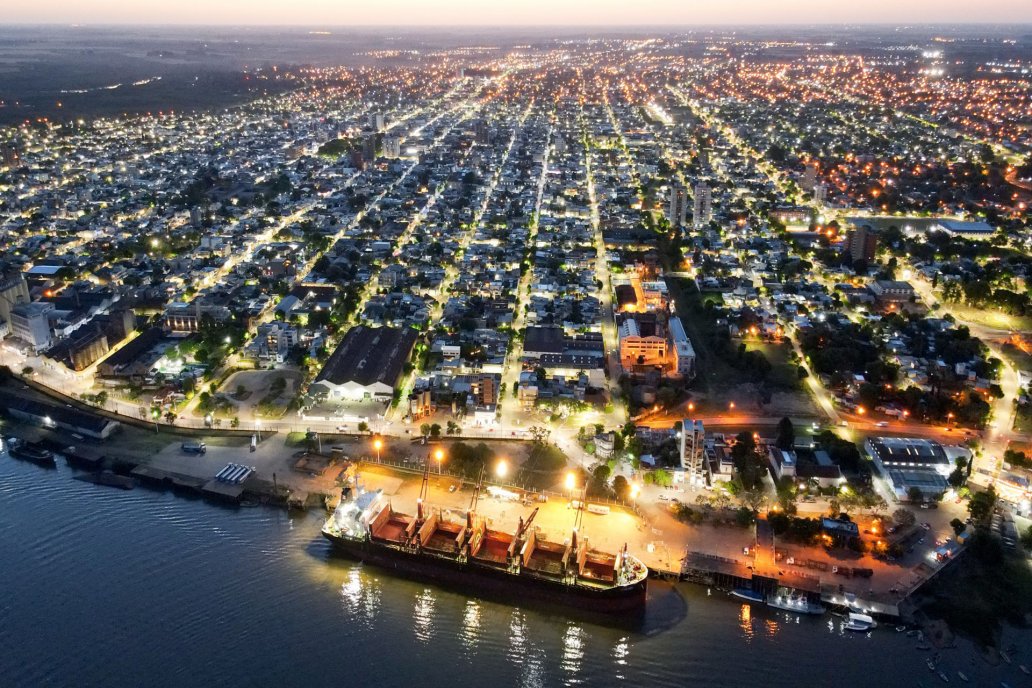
501,469
155,414
439,455
258,428
377,445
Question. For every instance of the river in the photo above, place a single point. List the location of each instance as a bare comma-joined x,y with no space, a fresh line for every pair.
102,587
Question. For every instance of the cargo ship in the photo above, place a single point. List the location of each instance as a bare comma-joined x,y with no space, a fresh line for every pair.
491,563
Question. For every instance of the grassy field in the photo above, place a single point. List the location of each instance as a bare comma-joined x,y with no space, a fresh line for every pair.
992,318
718,373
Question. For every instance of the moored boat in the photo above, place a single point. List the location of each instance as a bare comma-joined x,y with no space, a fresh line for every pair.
860,622
748,595
33,453
794,602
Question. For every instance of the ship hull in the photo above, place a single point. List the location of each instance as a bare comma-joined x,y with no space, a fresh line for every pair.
39,457
486,581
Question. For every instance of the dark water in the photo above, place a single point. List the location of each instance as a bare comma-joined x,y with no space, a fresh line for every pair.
100,587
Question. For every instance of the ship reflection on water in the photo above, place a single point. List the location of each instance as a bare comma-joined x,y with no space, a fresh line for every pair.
360,597
573,649
423,615
471,627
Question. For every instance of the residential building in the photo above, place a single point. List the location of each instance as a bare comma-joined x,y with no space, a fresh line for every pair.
861,243
809,180
677,214
702,212
693,450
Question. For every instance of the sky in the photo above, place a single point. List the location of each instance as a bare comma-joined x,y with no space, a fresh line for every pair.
322,13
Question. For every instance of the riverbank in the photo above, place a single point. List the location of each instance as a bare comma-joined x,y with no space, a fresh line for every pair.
982,594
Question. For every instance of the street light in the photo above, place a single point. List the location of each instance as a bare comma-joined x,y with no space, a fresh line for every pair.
502,468
155,414
258,428
731,406
439,455
571,481
635,489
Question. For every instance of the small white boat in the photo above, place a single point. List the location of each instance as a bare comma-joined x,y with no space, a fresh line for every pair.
1024,669
795,603
944,677
963,676
1005,657
860,622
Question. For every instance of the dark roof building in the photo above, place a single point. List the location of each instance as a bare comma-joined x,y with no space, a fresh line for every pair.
367,363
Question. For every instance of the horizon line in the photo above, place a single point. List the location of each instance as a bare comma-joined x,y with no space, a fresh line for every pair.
395,26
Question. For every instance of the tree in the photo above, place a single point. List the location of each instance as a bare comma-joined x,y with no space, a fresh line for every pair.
1026,538
914,494
753,497
744,517
363,427
958,526
786,434
958,477
468,459
747,460
435,430
424,429
621,487
904,517
982,504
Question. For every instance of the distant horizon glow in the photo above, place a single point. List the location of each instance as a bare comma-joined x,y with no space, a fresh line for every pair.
528,13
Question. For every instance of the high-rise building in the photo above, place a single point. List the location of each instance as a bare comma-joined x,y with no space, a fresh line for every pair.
9,155
693,451
703,158
861,243
14,290
369,148
678,212
30,322
377,121
482,131
392,146
703,210
820,193
357,159
809,177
